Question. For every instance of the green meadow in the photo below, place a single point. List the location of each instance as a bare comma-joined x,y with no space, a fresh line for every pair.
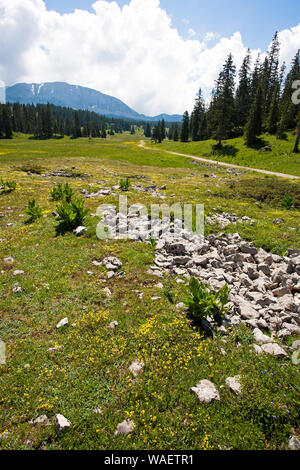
89,368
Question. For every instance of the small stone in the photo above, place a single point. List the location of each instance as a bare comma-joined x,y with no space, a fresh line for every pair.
62,322
294,443
61,423
16,289
206,391
110,274
260,337
180,306
274,350
18,272
125,428
107,292
257,349
9,260
136,367
234,384
55,349
80,231
40,420
98,411
113,325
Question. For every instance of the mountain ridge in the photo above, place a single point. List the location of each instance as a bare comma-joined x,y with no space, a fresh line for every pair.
79,98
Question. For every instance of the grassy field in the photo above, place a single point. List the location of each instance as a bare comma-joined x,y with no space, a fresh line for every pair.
90,368
279,159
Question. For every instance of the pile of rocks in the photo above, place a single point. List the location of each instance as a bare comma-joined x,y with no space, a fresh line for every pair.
264,288
100,193
225,219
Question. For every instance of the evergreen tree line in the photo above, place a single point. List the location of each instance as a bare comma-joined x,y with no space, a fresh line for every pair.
259,101
45,121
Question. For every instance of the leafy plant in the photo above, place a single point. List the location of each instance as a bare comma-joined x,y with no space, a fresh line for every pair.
153,242
34,211
203,302
124,184
288,202
62,192
8,186
71,214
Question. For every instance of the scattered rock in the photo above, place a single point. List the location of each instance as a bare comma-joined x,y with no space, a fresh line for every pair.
18,272
274,349
113,325
61,423
260,337
80,231
125,428
41,420
206,391
16,288
234,384
62,322
136,367
294,443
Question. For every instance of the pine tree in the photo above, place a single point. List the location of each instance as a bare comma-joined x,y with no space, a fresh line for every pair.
243,96
148,130
7,122
274,112
77,125
253,127
197,118
163,129
287,109
49,122
184,137
176,132
296,147
223,104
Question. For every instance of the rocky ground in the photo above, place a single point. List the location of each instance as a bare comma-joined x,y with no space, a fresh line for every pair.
264,288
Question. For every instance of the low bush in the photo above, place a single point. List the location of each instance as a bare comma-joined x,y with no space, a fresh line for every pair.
62,192
203,302
71,214
34,212
7,186
124,184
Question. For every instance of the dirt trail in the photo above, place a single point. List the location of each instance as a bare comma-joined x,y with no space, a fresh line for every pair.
228,165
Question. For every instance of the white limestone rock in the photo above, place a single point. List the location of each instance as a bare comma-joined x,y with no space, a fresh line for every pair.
206,391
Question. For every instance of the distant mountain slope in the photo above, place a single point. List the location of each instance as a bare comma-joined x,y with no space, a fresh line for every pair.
77,97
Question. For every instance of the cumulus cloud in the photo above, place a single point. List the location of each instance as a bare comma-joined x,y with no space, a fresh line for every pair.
133,53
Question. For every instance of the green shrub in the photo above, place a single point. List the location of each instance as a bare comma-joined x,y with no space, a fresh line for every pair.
34,211
203,302
288,202
7,186
153,242
62,192
124,184
71,214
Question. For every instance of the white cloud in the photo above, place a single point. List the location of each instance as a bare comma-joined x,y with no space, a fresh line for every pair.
211,36
133,53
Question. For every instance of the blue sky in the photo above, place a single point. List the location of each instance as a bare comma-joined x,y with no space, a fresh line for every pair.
257,20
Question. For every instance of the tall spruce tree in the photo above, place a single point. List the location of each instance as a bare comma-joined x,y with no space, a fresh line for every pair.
223,104
184,137
243,93
253,127
197,118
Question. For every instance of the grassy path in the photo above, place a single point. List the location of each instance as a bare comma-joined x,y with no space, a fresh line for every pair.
228,165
